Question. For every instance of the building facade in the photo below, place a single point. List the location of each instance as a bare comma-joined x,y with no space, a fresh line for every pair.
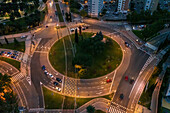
94,7
123,6
151,5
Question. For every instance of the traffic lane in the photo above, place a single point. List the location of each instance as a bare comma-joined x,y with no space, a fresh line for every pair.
30,94
8,69
45,61
89,87
133,70
142,79
37,76
92,93
48,32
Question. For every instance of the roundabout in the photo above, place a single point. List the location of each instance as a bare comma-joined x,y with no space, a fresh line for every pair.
85,64
76,87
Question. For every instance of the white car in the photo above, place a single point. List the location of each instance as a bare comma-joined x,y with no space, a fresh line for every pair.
58,89
24,36
51,76
72,29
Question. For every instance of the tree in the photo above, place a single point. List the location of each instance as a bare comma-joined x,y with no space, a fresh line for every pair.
76,36
6,40
67,16
90,109
16,43
83,13
80,30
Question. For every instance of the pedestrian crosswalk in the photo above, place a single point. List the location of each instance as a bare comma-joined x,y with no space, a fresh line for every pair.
116,109
17,77
70,86
150,59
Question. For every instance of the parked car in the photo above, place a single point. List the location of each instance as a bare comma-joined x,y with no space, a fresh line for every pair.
24,36
9,53
58,89
51,76
55,83
43,67
59,80
46,72
13,57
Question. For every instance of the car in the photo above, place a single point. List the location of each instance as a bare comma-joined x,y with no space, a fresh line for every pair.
72,29
126,78
55,83
46,72
2,51
15,54
50,16
9,53
43,67
46,26
59,80
109,80
138,41
83,28
51,76
121,96
132,81
127,44
58,89
13,57
24,36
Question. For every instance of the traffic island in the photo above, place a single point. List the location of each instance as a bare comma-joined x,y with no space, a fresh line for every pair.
92,56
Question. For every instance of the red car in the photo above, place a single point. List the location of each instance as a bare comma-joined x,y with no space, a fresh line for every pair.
109,80
126,78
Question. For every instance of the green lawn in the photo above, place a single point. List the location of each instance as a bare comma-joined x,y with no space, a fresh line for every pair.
138,34
57,56
102,65
12,62
52,100
20,47
60,16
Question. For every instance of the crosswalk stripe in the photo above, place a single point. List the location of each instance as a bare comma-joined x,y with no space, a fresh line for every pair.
17,77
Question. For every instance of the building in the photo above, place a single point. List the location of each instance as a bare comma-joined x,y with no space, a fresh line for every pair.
151,5
123,6
94,7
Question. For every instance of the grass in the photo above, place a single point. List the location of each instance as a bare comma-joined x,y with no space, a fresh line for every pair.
54,100
138,34
55,0
60,16
12,62
102,65
20,47
57,56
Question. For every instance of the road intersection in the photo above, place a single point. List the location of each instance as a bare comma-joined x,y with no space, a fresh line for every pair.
133,65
